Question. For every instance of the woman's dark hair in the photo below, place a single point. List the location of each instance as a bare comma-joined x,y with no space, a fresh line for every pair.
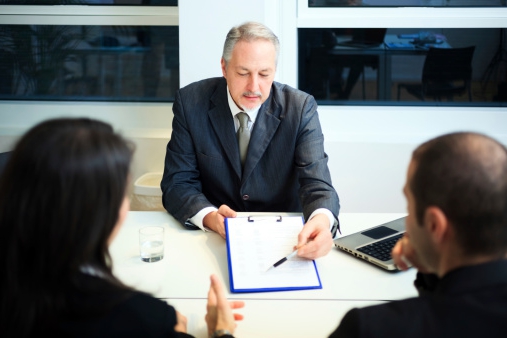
60,196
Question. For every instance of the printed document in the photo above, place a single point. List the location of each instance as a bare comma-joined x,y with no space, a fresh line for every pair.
254,244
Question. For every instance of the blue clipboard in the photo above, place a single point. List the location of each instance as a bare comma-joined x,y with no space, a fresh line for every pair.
249,241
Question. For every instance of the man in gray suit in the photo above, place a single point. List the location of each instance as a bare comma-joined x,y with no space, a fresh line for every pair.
285,169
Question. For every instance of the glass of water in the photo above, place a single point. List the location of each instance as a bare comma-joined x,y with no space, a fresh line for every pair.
151,243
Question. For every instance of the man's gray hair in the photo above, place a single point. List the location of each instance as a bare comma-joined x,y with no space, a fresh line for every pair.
248,31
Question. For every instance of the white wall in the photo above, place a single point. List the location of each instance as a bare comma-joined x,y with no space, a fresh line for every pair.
368,147
148,125
203,27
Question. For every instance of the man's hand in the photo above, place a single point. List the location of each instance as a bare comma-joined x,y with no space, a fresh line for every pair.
215,220
315,240
181,323
404,255
219,314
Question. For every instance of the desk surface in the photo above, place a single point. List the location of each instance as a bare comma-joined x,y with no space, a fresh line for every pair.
182,278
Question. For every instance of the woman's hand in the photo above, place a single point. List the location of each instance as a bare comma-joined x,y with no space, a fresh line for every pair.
219,314
181,324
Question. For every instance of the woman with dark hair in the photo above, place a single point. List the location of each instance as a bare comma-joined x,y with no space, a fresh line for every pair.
63,198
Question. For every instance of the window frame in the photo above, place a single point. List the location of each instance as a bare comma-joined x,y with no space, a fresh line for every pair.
90,15
386,123
400,17
361,17
145,119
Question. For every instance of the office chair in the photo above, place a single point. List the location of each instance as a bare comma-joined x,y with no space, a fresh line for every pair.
446,72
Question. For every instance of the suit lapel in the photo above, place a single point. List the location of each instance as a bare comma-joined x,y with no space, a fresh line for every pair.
266,124
222,122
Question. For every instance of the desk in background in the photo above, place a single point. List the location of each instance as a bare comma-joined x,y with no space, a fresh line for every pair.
182,278
384,55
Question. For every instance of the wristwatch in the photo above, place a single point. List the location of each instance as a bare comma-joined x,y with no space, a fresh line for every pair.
220,333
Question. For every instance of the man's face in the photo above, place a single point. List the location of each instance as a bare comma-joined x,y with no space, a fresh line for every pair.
250,73
418,234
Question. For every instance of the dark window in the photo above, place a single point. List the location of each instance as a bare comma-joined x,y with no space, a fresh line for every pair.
407,3
376,66
89,63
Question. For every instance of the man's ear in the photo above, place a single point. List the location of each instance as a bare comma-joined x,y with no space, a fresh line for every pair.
437,225
223,65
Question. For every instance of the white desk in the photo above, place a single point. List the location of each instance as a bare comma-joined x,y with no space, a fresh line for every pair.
182,278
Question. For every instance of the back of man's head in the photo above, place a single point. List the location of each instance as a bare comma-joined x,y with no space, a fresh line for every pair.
465,175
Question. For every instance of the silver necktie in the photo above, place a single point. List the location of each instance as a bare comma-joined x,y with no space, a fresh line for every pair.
243,135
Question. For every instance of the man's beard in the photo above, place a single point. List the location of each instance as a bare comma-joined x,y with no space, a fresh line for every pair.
258,94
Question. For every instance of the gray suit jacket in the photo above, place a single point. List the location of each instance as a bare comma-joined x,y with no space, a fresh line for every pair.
286,166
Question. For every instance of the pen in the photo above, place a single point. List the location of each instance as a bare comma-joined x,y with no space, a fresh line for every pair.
283,260
289,256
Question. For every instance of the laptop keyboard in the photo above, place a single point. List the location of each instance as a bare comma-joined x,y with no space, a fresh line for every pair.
381,249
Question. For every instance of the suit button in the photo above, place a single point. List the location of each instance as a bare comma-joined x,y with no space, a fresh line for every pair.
245,197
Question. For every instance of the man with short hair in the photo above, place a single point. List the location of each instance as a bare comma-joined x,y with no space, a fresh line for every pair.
456,236
276,163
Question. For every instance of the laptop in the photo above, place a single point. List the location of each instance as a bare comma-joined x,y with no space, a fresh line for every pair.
365,38
374,245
